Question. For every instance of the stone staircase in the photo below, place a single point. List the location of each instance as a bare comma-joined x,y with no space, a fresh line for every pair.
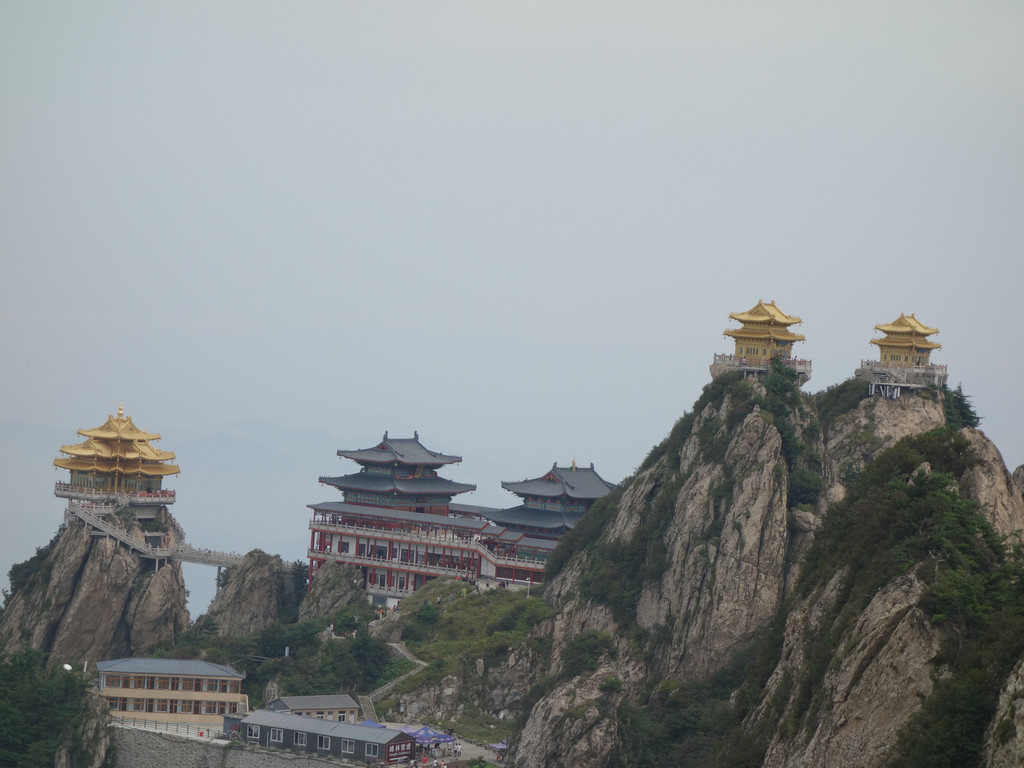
400,650
366,704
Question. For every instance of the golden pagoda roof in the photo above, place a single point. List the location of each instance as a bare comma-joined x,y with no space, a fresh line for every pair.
119,427
765,321
907,331
118,446
748,332
765,313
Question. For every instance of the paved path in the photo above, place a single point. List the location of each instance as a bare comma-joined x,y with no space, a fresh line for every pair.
469,752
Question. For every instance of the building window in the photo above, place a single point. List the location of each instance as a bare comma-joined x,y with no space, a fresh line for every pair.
113,681
372,750
300,739
323,742
277,735
319,715
252,731
348,746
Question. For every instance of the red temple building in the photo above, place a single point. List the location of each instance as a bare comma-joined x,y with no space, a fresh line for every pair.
397,525
554,502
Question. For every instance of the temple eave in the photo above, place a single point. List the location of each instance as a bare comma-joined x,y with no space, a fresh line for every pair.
774,334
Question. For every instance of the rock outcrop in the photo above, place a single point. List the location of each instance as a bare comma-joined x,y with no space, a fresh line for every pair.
91,599
733,546
256,592
1004,742
91,734
868,693
335,586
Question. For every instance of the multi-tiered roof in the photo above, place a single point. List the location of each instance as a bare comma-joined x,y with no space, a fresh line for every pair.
904,362
553,502
905,341
399,473
765,332
764,335
117,456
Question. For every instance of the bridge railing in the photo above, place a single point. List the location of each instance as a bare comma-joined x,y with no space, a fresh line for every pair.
86,512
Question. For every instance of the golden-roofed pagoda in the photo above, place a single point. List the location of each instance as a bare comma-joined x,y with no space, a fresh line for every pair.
906,341
116,457
904,362
764,335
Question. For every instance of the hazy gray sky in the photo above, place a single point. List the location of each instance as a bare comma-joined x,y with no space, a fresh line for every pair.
516,227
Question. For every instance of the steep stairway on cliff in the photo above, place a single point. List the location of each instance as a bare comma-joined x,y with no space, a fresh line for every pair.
366,704
400,650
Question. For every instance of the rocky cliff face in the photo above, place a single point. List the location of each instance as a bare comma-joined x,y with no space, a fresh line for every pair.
92,732
334,587
91,599
256,592
880,680
734,531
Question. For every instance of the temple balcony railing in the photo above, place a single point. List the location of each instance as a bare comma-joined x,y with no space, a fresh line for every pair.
442,536
439,570
69,491
391,563
758,366
438,538
761,363
893,373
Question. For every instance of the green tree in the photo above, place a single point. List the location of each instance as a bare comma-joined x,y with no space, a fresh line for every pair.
39,707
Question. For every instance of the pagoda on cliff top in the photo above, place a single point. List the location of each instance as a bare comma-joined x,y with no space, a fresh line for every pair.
554,502
904,362
117,463
399,473
116,457
764,335
905,341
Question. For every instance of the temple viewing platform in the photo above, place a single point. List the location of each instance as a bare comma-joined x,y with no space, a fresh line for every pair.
758,367
890,380
426,537
374,560
69,491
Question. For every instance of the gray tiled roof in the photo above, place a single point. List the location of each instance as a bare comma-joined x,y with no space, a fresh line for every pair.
364,481
144,666
471,509
575,483
336,701
322,727
541,544
402,450
525,517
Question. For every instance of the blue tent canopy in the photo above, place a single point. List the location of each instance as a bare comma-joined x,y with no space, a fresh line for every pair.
372,724
427,735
